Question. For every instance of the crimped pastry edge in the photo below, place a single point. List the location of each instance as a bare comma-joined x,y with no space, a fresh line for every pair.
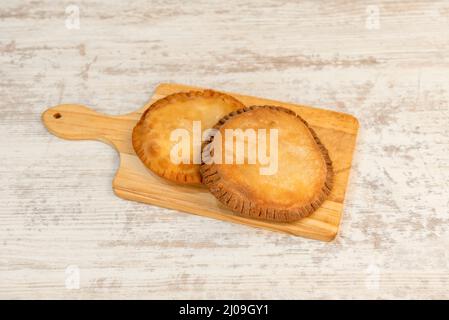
174,175
245,207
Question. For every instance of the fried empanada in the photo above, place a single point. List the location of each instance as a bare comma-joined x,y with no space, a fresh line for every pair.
152,136
300,182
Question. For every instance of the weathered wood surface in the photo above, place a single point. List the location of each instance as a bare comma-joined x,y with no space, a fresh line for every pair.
57,205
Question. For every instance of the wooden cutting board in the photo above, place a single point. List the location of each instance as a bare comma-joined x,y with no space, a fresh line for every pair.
133,181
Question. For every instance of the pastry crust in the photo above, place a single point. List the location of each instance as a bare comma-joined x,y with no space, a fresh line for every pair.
151,136
302,182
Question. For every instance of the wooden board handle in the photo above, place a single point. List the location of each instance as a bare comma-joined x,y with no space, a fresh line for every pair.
78,122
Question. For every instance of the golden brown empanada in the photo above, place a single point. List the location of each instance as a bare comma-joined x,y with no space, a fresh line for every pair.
301,182
152,139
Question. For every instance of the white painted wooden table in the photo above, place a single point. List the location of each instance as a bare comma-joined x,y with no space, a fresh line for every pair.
59,216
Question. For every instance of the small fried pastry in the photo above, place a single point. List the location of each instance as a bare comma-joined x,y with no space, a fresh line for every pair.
152,136
298,183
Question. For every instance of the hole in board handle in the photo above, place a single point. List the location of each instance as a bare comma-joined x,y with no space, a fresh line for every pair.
57,115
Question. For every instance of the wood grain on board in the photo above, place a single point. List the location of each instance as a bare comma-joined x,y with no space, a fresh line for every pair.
133,181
